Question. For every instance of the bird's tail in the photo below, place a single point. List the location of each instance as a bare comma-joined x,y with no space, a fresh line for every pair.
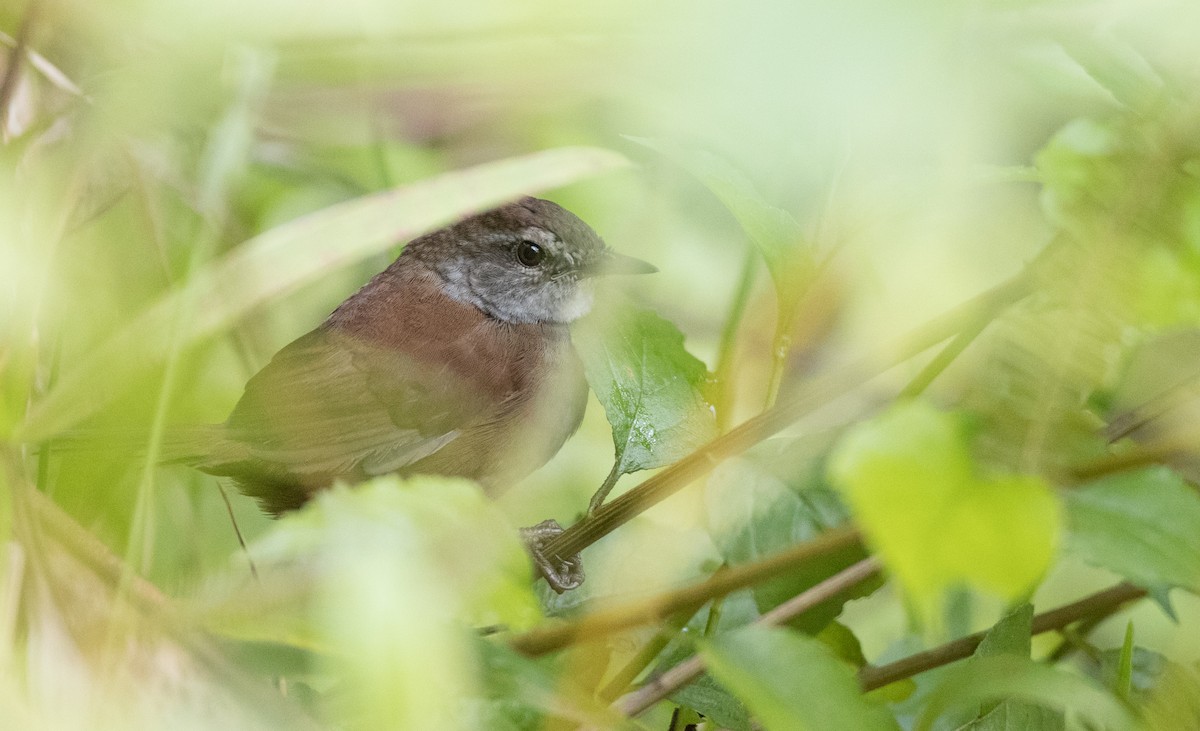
192,444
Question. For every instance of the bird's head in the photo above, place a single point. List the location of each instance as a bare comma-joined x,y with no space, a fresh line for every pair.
524,262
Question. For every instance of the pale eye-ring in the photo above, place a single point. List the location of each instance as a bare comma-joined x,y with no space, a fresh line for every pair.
530,254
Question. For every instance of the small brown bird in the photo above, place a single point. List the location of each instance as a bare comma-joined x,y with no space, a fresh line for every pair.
455,360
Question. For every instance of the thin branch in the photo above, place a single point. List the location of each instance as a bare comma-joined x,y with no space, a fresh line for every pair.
942,360
814,395
690,669
601,623
1107,600
237,530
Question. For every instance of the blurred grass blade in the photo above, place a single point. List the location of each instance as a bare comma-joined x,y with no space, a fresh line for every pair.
289,256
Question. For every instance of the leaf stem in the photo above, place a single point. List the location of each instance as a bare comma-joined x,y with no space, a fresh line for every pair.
1107,600
781,345
726,396
605,487
941,361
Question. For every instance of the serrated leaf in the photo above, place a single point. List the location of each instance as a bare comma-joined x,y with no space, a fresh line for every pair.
650,386
909,479
1143,525
791,681
289,256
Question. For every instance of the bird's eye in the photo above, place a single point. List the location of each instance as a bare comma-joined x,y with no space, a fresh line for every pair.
530,254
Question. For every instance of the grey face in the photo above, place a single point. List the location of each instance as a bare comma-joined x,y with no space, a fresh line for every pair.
526,262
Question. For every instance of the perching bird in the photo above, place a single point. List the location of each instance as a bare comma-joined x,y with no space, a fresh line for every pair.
455,360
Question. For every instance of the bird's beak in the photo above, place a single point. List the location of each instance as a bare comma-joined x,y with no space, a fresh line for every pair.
611,263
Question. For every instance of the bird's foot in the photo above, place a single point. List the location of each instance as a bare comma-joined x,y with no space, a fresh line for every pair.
562,574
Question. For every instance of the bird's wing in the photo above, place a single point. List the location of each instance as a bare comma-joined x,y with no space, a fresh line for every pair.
331,405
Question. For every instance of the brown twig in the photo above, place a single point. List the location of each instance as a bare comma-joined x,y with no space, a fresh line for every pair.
601,623
871,678
816,394
690,669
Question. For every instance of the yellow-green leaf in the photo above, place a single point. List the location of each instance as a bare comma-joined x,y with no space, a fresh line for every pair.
908,477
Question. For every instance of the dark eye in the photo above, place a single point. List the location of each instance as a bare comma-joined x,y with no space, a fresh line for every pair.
530,254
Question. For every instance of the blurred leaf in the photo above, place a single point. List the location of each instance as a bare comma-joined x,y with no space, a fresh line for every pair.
1012,715
773,231
752,514
710,698
841,639
1175,701
1157,398
289,256
909,478
1117,67
451,533
1168,289
790,681
1011,636
991,678
519,693
651,389
1141,525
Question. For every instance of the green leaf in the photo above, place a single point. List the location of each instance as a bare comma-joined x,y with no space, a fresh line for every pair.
1118,68
1011,636
1174,703
1142,525
1012,715
712,699
987,679
650,386
286,257
753,513
791,681
909,478
519,693
428,529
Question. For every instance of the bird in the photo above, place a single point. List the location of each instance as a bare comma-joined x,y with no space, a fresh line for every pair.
455,360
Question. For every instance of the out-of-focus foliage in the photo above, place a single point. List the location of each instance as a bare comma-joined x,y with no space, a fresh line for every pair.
909,478
1138,525
792,681
187,187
